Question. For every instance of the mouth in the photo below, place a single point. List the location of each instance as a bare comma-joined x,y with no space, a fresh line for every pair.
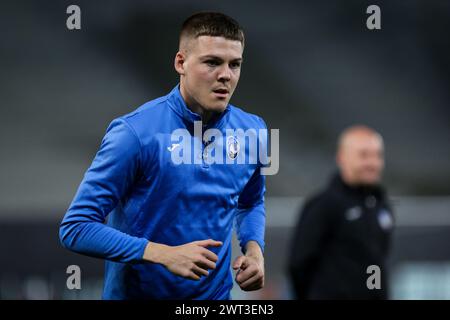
221,92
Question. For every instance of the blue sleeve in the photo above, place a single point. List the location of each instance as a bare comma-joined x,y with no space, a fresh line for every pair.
109,177
251,213
251,216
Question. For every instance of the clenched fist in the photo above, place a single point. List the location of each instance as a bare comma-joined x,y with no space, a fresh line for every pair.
250,274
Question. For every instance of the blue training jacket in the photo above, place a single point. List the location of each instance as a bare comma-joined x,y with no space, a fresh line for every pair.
148,197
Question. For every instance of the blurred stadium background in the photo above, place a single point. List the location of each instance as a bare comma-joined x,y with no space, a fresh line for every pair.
311,69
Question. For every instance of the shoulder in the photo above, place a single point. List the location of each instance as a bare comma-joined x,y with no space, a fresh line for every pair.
323,201
146,119
315,201
149,112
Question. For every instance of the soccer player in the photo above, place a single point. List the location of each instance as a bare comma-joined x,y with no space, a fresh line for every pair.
347,227
169,230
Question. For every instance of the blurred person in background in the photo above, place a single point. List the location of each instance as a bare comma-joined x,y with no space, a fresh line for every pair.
170,225
345,228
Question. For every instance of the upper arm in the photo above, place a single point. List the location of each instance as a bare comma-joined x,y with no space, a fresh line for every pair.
111,173
312,231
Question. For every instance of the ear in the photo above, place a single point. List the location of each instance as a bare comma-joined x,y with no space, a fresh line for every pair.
179,62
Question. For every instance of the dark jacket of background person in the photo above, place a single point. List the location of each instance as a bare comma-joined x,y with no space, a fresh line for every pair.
341,232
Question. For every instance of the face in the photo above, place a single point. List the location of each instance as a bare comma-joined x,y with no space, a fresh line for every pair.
209,69
361,159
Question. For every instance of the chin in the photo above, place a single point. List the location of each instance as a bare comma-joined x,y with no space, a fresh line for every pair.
217,107
371,181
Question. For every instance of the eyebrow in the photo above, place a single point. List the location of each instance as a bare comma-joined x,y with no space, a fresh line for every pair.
209,56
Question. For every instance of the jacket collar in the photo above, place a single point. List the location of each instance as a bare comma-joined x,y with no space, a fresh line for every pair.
361,190
179,106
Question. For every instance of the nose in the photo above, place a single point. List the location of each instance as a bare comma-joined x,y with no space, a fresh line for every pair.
374,164
224,74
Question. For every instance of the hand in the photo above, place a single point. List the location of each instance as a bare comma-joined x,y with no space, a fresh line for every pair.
191,260
250,275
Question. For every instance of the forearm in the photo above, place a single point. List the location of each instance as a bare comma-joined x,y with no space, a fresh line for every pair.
250,224
252,249
98,240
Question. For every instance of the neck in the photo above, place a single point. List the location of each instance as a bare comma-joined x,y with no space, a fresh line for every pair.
195,107
353,183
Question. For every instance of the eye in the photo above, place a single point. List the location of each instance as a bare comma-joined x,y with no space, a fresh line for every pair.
235,65
212,63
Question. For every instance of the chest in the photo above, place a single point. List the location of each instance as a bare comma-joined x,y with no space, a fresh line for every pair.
184,163
365,219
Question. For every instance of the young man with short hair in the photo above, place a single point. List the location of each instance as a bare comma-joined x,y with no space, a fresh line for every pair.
170,225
